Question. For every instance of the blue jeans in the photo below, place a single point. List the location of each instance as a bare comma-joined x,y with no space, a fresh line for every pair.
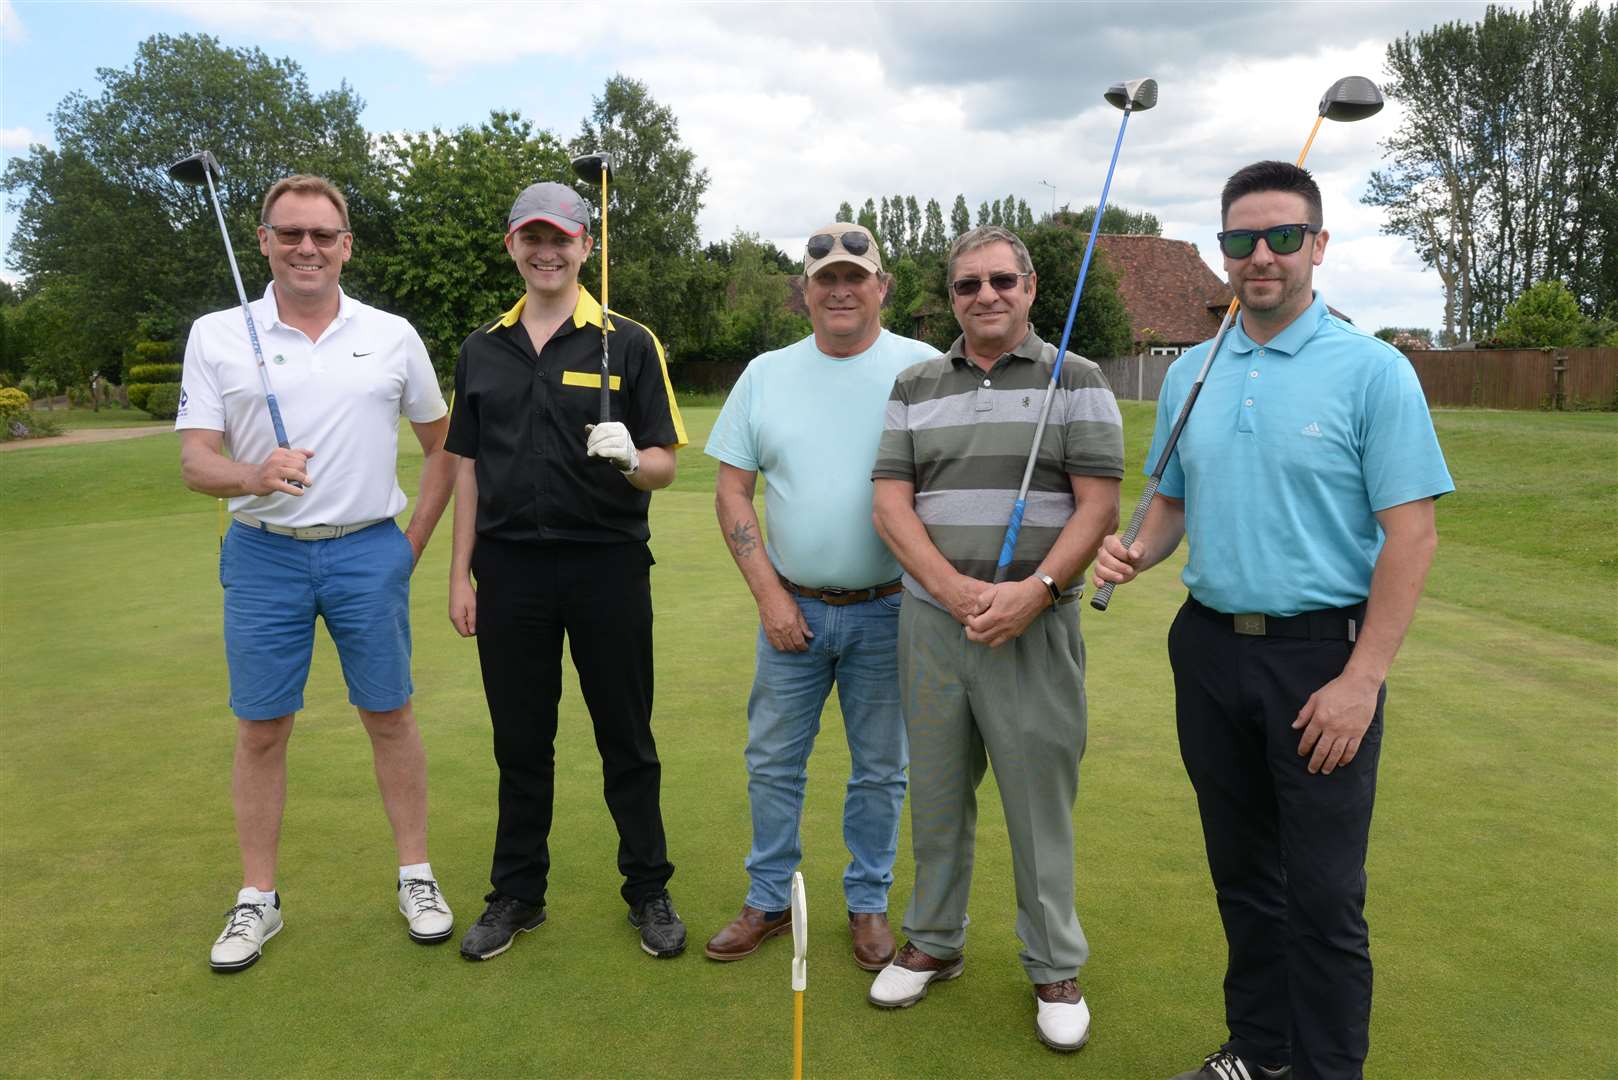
855,646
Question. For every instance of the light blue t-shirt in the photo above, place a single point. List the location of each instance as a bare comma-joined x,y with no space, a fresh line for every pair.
1290,450
810,423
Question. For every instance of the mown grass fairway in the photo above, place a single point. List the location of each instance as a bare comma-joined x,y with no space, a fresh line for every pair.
1494,860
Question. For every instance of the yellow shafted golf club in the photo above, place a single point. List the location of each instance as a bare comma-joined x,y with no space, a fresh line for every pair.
597,168
800,969
1351,98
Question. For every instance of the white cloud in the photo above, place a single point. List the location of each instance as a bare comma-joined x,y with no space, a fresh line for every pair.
18,139
11,28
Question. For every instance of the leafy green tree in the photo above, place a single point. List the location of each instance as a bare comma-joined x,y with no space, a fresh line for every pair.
449,272
983,214
867,216
656,193
960,218
845,212
1115,220
1101,328
1546,314
1025,216
934,242
753,316
1406,337
904,288
912,226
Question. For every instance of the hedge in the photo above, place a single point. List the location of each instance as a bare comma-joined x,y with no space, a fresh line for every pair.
163,401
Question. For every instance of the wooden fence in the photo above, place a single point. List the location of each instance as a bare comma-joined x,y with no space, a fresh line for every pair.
1519,378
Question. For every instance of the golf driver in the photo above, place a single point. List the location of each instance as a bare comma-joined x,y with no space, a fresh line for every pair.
1136,95
1350,98
596,168
800,968
201,169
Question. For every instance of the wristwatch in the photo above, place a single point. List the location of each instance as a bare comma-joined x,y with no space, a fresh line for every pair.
1050,586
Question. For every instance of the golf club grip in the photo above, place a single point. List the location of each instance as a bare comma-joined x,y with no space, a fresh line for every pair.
1010,545
606,374
280,431
1103,595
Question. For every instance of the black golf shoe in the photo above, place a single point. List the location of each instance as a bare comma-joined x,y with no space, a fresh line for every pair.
661,932
499,925
1224,1065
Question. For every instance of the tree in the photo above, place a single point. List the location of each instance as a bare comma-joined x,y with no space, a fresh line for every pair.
1025,216
845,212
1115,220
1406,337
912,226
1101,328
983,214
753,316
448,272
1546,314
656,193
99,216
960,218
867,216
933,240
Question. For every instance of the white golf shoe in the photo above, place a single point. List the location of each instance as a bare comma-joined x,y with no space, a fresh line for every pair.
248,925
904,981
425,909
1063,1022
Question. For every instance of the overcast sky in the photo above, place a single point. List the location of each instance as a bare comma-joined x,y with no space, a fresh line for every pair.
793,108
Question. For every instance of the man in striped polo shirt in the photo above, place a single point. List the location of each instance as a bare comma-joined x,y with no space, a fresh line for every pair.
995,671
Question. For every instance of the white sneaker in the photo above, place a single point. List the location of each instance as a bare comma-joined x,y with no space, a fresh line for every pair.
904,981
424,908
1063,1022
248,926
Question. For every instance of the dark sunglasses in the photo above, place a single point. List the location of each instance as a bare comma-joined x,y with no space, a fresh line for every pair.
971,286
855,243
291,237
1282,240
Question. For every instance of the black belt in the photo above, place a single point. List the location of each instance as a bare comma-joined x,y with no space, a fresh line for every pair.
838,597
1328,624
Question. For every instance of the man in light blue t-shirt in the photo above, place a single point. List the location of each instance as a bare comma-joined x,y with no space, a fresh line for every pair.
809,417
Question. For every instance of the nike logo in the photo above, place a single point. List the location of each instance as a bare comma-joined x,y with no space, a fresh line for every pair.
364,353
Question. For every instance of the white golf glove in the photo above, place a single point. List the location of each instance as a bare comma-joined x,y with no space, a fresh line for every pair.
611,441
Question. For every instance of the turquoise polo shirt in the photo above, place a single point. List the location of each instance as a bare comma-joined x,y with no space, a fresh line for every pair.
810,423
1291,449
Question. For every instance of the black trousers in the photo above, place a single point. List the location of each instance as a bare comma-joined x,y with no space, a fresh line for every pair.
599,596
1286,848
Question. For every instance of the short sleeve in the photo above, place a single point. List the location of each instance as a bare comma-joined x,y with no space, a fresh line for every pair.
1400,457
1092,428
733,439
654,415
201,403
462,439
422,402
1173,482
896,451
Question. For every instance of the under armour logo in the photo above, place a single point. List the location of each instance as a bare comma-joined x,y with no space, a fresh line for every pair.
1312,430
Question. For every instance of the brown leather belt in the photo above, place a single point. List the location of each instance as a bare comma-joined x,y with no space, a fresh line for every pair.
839,597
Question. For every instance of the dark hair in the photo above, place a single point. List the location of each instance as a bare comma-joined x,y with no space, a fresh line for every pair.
1272,176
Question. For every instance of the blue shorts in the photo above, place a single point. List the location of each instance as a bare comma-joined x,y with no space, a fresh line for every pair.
276,585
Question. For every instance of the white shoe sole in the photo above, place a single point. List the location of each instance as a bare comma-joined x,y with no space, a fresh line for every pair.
243,965
944,975
509,942
426,939
1065,1048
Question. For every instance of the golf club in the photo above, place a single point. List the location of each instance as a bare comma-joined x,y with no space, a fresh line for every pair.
201,169
596,168
800,968
1350,98
1135,95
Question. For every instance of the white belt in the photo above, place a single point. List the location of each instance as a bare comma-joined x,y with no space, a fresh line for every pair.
306,532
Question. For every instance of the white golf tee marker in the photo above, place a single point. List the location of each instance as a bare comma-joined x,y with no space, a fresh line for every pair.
800,969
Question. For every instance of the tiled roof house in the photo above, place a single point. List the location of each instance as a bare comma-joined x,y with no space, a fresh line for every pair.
1174,300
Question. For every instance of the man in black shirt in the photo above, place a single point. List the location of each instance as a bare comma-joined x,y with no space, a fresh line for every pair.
550,520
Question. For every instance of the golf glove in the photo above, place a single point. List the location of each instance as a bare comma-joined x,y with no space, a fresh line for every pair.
611,441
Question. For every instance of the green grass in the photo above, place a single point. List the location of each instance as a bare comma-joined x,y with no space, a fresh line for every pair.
1494,860
109,416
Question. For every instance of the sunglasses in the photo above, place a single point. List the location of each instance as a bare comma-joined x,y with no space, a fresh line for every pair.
855,243
971,286
1282,240
291,237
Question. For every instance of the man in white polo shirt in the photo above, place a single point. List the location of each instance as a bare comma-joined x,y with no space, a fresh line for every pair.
809,417
314,535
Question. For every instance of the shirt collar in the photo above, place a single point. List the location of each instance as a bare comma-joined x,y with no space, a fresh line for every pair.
586,312
1288,341
345,307
1031,348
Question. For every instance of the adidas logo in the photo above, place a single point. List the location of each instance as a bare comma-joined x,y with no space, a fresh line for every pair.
1312,430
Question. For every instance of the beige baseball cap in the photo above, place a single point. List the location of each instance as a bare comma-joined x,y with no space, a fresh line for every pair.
842,242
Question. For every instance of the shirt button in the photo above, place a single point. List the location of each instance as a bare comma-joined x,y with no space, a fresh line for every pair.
1252,374
985,382
1261,352
1248,403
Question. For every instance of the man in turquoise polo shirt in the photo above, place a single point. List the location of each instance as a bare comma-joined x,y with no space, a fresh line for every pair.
808,417
1304,481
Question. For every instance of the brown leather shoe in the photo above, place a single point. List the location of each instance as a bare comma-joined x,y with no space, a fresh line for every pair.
873,941
746,933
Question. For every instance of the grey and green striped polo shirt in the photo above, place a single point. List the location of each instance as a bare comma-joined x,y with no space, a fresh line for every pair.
961,436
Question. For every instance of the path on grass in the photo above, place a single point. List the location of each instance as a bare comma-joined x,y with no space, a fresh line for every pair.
85,435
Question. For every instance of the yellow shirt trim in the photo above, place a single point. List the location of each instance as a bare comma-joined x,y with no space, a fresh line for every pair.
589,378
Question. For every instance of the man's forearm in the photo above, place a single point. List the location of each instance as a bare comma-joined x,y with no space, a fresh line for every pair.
463,529
433,490
208,471
656,471
738,521
1095,515
894,512
1396,584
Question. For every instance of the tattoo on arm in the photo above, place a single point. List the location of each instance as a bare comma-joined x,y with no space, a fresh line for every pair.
742,540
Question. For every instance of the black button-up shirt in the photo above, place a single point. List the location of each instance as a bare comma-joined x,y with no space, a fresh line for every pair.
522,416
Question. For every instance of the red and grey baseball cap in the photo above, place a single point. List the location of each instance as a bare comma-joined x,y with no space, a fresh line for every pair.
556,203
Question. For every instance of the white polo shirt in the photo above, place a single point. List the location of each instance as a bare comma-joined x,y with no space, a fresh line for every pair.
341,398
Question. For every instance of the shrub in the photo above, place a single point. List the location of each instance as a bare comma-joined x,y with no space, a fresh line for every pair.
154,352
13,404
154,373
137,392
29,425
163,401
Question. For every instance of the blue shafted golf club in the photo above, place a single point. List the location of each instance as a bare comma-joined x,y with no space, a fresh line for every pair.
201,168
1135,95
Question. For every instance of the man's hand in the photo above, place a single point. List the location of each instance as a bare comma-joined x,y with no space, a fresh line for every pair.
965,597
1116,564
463,606
1334,720
281,466
783,622
1008,608
611,441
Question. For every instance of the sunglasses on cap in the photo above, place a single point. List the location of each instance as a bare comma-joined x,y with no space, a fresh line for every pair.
291,237
1281,239
971,286
855,243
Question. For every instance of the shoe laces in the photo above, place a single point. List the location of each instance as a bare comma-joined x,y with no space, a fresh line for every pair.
659,909
423,896
1060,991
1226,1066
499,907
241,919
